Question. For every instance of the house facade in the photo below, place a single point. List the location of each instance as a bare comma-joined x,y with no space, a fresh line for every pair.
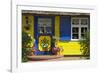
60,29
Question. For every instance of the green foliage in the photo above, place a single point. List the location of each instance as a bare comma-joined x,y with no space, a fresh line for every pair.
54,40
26,40
85,45
26,50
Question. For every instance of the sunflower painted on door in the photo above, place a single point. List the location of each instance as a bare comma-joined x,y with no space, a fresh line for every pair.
44,43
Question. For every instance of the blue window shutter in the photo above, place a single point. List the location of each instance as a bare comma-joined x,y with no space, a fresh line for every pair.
65,28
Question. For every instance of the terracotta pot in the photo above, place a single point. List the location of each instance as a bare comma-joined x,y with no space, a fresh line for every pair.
45,49
55,50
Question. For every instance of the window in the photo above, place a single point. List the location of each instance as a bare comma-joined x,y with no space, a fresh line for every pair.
79,27
75,21
44,26
75,31
83,32
84,21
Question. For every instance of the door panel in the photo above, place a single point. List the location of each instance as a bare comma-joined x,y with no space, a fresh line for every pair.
43,31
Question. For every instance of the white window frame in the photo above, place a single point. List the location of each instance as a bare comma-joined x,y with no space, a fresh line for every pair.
79,26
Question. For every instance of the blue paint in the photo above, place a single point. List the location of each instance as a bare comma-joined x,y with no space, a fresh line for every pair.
36,34
65,28
43,53
65,38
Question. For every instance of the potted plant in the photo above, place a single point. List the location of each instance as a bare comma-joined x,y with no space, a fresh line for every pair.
56,49
26,47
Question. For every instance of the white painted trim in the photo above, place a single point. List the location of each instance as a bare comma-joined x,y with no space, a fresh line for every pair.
79,26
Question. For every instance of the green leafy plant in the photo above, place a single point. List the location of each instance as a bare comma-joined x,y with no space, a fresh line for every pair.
54,40
26,48
85,45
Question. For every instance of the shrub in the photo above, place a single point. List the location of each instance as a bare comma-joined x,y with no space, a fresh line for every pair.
26,48
85,45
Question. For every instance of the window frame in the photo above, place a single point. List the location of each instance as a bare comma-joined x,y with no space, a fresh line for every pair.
79,26
44,27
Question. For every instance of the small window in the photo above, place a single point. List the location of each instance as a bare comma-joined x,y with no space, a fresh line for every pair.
75,21
83,32
84,21
75,31
44,25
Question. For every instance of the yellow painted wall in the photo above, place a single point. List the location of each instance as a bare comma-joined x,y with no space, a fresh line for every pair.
31,23
57,27
69,48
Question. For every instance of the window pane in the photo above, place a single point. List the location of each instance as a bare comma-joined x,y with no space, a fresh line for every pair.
84,30
75,21
84,21
82,36
75,33
48,30
75,36
75,30
41,30
44,26
44,21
